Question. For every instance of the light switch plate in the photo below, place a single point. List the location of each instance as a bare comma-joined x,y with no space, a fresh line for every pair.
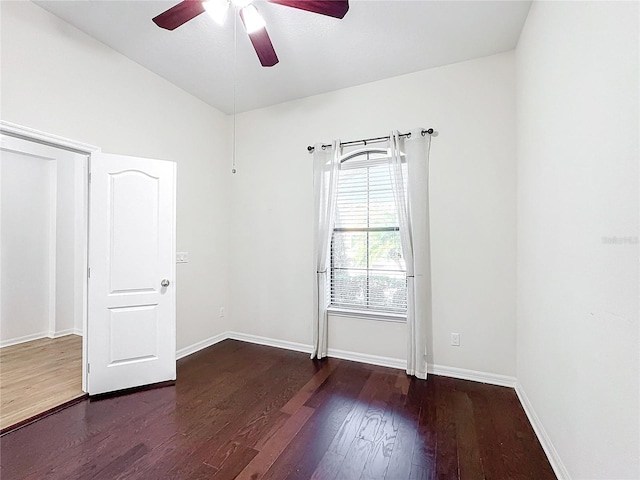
182,257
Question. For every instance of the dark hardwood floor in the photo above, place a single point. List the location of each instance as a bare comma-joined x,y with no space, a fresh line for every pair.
246,411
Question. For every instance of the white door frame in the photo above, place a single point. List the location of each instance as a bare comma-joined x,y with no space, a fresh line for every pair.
38,136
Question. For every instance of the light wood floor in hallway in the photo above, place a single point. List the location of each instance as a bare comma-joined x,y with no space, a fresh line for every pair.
38,376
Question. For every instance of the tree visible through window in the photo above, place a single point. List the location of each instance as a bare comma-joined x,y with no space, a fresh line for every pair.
367,267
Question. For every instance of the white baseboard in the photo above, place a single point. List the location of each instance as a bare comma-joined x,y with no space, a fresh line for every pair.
63,333
38,336
270,342
196,347
547,445
367,358
401,364
473,375
26,338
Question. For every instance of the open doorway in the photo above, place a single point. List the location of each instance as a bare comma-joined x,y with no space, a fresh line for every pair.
127,310
43,238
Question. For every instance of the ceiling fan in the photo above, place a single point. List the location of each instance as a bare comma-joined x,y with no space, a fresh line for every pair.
251,18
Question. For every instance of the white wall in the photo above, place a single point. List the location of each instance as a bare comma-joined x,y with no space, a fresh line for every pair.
472,106
58,80
578,350
66,249
80,241
26,220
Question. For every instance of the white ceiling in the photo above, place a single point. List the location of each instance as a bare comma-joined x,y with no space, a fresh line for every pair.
377,39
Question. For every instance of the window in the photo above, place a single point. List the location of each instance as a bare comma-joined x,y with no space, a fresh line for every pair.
368,272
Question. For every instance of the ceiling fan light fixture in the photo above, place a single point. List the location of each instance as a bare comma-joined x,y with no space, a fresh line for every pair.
241,3
217,9
253,22
252,19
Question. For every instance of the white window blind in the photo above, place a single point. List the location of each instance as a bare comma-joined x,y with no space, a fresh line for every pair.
367,267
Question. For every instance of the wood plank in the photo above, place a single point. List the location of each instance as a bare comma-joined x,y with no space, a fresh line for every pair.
407,408
230,459
276,425
310,387
383,446
469,461
364,417
356,458
418,472
492,463
425,394
333,401
328,467
446,462
259,465
509,448
399,465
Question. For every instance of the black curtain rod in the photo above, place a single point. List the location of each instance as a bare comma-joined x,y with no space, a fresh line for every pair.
371,140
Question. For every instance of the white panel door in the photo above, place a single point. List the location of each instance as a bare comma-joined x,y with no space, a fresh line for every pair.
131,323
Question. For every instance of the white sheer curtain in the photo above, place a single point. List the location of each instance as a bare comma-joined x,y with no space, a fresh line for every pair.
326,165
413,213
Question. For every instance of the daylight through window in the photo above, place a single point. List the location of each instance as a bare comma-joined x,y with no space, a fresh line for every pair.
367,267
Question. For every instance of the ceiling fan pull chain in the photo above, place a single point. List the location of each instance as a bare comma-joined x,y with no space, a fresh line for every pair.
235,68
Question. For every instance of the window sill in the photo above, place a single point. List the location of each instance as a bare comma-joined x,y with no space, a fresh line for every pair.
368,315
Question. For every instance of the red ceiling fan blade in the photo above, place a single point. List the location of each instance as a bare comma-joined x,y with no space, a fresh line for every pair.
179,14
264,48
332,8
262,45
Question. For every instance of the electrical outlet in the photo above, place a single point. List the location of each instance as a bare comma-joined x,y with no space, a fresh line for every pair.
455,339
182,257
221,312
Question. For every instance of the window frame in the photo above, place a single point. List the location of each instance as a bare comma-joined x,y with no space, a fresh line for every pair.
364,313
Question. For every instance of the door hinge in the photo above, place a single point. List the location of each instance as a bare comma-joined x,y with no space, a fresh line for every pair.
89,177
88,368
89,272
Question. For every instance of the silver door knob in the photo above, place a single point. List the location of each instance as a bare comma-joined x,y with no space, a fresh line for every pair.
164,283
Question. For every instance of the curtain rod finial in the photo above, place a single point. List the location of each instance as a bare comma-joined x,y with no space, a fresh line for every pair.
310,148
